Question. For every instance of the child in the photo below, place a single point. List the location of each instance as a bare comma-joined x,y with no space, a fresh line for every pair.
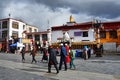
72,57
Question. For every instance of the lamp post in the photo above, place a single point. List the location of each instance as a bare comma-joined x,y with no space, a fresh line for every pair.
97,27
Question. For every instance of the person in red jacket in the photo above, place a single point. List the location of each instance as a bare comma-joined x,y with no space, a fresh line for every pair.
33,53
68,53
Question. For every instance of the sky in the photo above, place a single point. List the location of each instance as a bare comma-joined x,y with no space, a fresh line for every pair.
47,13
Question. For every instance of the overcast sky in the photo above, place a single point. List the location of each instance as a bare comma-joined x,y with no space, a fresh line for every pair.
57,12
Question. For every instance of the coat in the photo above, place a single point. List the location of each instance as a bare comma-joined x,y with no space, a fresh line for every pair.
52,56
33,52
63,53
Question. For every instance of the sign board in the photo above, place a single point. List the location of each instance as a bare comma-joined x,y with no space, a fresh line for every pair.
26,40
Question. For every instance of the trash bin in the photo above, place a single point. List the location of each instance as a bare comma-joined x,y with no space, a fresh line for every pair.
79,53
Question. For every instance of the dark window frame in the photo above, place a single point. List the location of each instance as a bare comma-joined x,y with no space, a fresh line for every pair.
113,34
15,25
44,37
4,33
85,34
102,34
4,24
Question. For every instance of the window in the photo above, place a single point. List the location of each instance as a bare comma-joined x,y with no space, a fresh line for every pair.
29,36
15,25
15,34
113,34
4,34
23,27
85,34
30,29
35,30
102,34
37,37
44,37
4,24
77,33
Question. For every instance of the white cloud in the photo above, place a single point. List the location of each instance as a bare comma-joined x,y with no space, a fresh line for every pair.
38,14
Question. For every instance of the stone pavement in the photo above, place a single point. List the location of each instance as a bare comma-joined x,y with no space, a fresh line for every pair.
63,75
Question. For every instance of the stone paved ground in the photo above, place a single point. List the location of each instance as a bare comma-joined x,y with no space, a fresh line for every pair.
11,74
106,68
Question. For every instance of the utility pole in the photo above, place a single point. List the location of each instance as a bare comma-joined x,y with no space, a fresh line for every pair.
97,27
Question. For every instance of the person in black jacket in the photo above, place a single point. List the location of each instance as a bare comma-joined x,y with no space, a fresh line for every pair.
52,59
23,54
45,55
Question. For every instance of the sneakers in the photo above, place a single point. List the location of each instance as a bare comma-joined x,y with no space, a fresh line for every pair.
57,72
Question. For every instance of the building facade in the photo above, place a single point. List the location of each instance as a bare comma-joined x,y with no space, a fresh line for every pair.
85,33
40,39
11,30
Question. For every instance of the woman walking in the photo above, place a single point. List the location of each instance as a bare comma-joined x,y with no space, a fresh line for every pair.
33,53
45,55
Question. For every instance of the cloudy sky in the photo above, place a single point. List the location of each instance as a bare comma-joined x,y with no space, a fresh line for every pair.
57,12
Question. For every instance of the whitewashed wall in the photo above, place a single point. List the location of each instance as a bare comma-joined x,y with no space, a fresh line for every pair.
55,35
20,30
109,47
59,34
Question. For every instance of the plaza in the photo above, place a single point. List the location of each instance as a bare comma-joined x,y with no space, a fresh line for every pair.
95,68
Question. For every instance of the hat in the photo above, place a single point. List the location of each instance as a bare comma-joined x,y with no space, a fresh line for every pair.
61,44
65,43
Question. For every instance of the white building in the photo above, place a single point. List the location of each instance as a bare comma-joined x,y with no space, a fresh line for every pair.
76,35
10,28
41,39
13,29
82,32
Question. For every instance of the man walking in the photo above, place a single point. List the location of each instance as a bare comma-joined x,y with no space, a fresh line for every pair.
63,56
52,59
23,54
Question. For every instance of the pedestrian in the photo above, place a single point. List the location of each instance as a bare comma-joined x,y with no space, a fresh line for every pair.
45,55
63,56
33,53
72,57
85,52
52,59
68,53
23,54
89,52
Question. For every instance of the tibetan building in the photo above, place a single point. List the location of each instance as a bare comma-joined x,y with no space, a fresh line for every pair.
85,34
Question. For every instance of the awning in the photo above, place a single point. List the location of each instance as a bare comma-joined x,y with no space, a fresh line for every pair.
14,45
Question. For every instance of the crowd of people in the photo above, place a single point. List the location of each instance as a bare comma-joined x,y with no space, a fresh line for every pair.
67,56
